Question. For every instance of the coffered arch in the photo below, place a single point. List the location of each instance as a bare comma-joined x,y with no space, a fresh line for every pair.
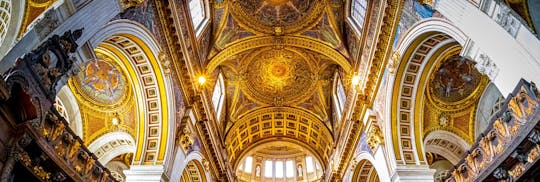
279,123
427,39
267,41
139,51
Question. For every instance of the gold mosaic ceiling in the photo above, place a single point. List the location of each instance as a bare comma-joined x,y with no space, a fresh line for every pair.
102,81
278,77
277,16
455,79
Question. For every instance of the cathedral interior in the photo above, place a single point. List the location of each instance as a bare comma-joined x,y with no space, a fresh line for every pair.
269,90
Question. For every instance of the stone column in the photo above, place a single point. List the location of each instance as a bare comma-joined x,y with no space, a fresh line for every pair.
413,174
139,173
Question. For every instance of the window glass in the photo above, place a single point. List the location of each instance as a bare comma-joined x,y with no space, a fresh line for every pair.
289,170
217,95
279,169
249,161
196,10
309,164
358,12
268,169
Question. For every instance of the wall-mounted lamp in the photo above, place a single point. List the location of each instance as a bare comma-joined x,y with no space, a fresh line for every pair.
201,80
355,80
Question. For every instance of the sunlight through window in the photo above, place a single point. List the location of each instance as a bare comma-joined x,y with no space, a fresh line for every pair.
289,169
249,161
309,164
268,169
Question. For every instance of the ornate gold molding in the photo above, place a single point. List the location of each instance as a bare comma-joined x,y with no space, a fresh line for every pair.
266,41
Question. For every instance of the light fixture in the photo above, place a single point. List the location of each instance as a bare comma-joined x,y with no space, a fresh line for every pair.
115,119
355,80
202,80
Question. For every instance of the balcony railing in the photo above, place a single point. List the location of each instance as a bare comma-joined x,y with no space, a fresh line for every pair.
509,146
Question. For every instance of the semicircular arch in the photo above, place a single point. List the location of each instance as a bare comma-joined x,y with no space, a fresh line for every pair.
265,41
139,50
425,41
283,123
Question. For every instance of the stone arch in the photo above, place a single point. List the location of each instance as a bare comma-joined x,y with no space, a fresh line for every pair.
266,41
365,171
179,167
283,123
446,144
72,107
16,16
364,157
112,144
193,172
139,52
423,40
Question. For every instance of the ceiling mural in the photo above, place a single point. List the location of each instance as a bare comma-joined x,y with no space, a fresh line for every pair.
452,92
455,79
277,16
278,77
103,93
102,81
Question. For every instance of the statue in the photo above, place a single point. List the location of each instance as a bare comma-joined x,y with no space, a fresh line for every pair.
299,170
258,171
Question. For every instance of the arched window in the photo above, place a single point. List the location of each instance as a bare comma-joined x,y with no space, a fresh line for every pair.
249,161
268,168
339,97
218,96
358,12
196,10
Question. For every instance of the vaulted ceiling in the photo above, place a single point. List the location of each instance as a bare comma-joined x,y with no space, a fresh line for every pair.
299,71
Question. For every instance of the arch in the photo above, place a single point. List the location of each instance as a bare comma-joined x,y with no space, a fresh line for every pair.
446,144
365,171
424,40
112,144
266,41
182,160
16,17
193,172
72,108
283,123
139,51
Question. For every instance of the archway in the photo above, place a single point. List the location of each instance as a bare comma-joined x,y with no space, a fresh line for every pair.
435,95
193,172
138,50
365,171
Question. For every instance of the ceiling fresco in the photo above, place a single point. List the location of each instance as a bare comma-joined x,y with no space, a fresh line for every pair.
455,79
102,81
277,16
278,77
453,91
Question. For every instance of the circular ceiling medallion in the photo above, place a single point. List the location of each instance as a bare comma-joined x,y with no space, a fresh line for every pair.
278,77
455,79
102,81
277,16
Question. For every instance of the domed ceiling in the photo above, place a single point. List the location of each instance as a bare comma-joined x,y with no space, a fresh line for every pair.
103,82
103,92
453,91
278,77
454,80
